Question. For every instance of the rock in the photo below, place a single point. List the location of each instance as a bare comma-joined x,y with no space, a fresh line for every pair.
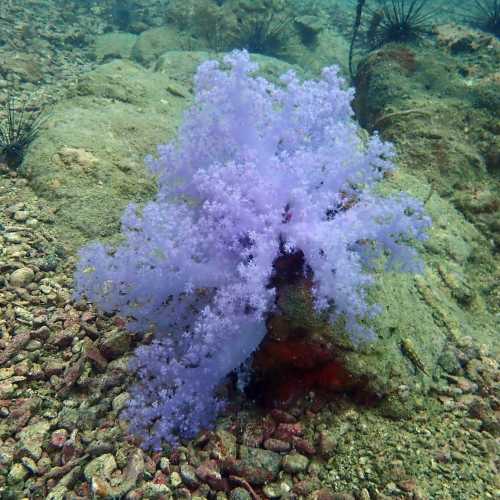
303,446
287,431
6,373
27,67
240,494
209,472
114,45
120,401
31,439
222,444
21,216
92,352
327,444
188,475
100,488
295,463
155,491
22,277
30,464
276,445
6,457
101,467
58,438
115,344
257,466
17,473
176,479
7,390
153,42
58,493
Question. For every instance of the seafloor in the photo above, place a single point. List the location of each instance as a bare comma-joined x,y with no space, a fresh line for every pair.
115,78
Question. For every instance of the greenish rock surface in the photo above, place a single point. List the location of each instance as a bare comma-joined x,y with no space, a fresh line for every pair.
114,45
265,459
17,473
88,161
101,467
31,439
153,42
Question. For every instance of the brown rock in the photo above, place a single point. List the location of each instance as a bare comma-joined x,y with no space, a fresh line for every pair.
277,445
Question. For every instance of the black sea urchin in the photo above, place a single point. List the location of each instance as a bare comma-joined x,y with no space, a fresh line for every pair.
401,21
17,131
486,16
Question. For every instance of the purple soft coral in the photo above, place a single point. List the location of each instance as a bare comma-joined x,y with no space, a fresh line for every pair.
258,170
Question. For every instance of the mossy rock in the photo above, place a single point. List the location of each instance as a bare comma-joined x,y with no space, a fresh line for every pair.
88,161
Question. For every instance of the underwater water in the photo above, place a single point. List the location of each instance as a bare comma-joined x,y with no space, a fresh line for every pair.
249,249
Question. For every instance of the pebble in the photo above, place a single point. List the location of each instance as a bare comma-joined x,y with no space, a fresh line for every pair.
240,494
327,444
102,467
188,475
22,277
31,439
21,216
276,490
58,438
18,472
120,401
175,479
294,463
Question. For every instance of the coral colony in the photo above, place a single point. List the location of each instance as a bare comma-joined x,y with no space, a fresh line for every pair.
258,171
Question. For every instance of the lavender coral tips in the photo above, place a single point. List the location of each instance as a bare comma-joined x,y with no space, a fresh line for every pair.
258,170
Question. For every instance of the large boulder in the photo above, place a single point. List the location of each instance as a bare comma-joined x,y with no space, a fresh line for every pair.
114,45
88,160
442,112
153,42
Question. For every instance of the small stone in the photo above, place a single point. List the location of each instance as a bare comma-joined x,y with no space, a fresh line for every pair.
240,494
30,464
115,344
6,373
188,475
303,446
22,277
285,432
63,338
58,493
21,216
294,463
31,439
100,488
222,444
6,457
408,485
209,473
58,438
175,479
93,353
154,490
33,345
165,465
282,417
276,490
327,444
276,445
120,401
102,467
267,460
17,473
